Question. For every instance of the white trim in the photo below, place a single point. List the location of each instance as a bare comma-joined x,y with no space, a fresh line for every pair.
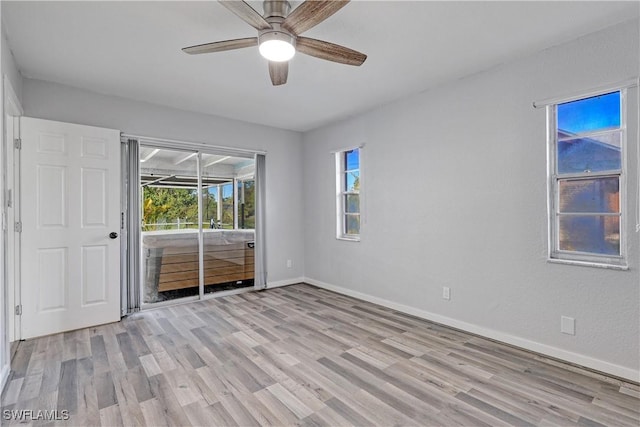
340,150
200,229
10,285
607,266
191,145
346,238
286,282
544,349
341,214
554,177
612,87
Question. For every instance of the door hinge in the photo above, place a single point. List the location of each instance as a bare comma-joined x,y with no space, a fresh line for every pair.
9,198
18,310
17,143
18,227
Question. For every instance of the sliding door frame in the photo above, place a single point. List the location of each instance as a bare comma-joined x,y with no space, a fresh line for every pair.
132,281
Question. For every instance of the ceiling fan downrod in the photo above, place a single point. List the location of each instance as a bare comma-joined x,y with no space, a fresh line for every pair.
276,9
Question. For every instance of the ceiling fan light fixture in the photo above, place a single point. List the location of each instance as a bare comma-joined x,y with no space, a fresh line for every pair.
277,46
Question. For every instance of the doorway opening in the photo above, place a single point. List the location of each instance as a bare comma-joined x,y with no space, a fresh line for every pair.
197,223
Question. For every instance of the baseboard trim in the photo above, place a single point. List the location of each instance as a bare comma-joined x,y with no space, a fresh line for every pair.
286,282
543,349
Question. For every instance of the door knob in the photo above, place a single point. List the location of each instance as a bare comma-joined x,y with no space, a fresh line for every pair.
113,235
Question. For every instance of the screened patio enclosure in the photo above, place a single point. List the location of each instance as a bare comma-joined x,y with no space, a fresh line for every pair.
197,221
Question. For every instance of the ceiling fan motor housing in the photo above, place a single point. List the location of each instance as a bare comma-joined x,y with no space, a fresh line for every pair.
276,33
275,11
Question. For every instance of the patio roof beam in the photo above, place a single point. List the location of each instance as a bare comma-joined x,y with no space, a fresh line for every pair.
157,180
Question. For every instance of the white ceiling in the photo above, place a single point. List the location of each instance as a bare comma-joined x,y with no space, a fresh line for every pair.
132,49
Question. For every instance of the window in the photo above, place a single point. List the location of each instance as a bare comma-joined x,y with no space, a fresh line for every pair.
348,194
246,203
586,170
227,217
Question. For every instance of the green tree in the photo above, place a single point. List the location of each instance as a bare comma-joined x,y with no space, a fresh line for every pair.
170,205
249,218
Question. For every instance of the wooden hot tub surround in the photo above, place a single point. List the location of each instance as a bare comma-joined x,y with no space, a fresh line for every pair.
171,259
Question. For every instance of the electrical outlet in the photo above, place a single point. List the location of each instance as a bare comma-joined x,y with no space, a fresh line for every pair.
567,325
446,293
289,263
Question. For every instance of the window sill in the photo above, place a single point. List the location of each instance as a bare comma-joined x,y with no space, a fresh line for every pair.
348,238
588,264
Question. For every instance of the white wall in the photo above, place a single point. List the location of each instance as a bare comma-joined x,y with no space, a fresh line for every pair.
455,195
284,187
9,67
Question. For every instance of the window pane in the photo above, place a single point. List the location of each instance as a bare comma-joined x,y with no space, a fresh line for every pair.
352,203
588,115
246,205
352,159
352,224
210,207
595,234
596,154
352,181
227,206
600,195
169,208
179,252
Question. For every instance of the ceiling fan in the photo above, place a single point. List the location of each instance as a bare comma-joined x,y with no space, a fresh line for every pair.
279,34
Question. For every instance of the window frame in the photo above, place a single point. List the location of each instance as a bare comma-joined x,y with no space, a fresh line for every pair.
341,193
555,254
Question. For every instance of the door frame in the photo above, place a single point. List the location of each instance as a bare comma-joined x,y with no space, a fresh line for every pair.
10,240
134,249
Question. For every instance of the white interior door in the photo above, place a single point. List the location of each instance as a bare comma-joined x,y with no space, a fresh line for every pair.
70,194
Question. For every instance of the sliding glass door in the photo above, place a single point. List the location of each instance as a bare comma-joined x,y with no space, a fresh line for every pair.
169,224
197,223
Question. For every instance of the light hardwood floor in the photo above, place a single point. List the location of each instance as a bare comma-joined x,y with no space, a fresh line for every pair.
300,355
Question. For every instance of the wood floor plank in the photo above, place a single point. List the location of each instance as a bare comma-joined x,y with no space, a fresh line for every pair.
106,390
130,409
153,413
302,356
111,416
171,409
67,394
12,392
493,411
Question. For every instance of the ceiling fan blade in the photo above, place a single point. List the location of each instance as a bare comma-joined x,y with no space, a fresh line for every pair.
278,72
246,13
221,46
311,13
329,51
